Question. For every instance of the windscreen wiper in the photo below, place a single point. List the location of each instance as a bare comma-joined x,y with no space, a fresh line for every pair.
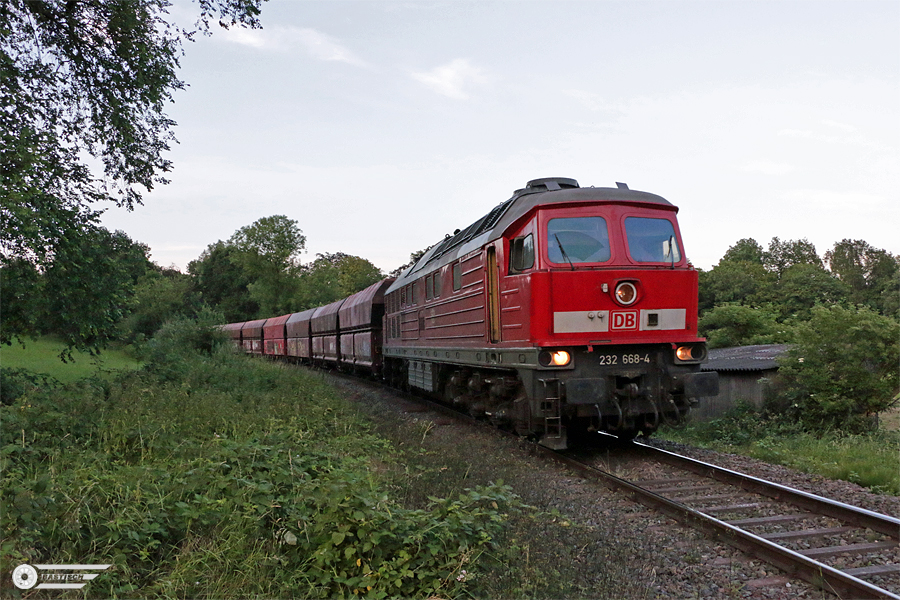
563,250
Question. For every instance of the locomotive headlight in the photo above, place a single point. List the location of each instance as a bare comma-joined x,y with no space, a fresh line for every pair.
683,353
554,358
694,354
626,293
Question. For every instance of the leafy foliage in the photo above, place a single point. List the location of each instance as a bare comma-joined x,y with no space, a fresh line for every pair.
83,83
739,282
843,364
81,296
873,275
729,325
782,255
213,475
334,276
805,285
222,282
160,295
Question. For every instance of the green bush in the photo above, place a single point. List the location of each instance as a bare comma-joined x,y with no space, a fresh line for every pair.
210,474
841,367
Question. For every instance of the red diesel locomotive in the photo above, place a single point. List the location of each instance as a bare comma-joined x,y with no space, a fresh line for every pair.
563,311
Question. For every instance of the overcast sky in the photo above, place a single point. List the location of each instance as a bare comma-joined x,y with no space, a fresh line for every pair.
381,126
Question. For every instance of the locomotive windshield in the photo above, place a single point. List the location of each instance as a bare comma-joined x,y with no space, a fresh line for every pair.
651,240
577,240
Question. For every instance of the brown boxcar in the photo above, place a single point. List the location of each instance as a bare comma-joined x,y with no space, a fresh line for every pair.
252,336
361,318
325,341
233,330
274,336
298,334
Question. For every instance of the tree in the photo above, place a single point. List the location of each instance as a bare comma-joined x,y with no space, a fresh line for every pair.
81,82
735,325
268,251
221,282
782,255
270,243
159,296
739,282
81,296
871,274
803,286
746,250
334,276
843,364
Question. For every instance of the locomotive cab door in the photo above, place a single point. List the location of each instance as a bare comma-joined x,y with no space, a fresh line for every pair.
493,294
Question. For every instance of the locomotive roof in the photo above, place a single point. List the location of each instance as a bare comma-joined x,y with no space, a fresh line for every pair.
538,192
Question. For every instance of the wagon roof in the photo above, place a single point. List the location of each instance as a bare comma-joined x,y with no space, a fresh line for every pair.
539,192
276,321
253,327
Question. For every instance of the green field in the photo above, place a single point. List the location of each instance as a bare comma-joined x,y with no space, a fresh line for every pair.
42,356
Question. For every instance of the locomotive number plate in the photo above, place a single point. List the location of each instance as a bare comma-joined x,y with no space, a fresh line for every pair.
624,359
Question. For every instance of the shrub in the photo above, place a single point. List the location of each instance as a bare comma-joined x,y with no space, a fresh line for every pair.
212,475
736,325
842,366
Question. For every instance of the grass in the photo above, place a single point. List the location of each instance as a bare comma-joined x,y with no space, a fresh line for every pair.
42,356
871,459
546,554
208,474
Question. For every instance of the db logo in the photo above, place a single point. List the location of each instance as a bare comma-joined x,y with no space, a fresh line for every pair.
624,319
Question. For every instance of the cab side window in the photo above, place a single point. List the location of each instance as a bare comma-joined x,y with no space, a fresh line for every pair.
521,254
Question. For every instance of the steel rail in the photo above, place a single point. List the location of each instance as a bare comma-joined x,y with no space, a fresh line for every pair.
792,563
854,515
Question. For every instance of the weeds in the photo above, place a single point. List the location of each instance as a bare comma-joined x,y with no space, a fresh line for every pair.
209,474
868,459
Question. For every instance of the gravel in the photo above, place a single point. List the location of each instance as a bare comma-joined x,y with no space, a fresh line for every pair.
600,543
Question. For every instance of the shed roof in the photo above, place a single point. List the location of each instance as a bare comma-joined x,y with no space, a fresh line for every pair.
745,358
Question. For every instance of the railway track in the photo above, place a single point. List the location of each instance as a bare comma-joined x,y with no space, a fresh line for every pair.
804,535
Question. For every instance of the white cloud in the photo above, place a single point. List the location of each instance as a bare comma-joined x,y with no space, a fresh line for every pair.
282,39
451,79
842,126
767,167
325,47
590,100
255,38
